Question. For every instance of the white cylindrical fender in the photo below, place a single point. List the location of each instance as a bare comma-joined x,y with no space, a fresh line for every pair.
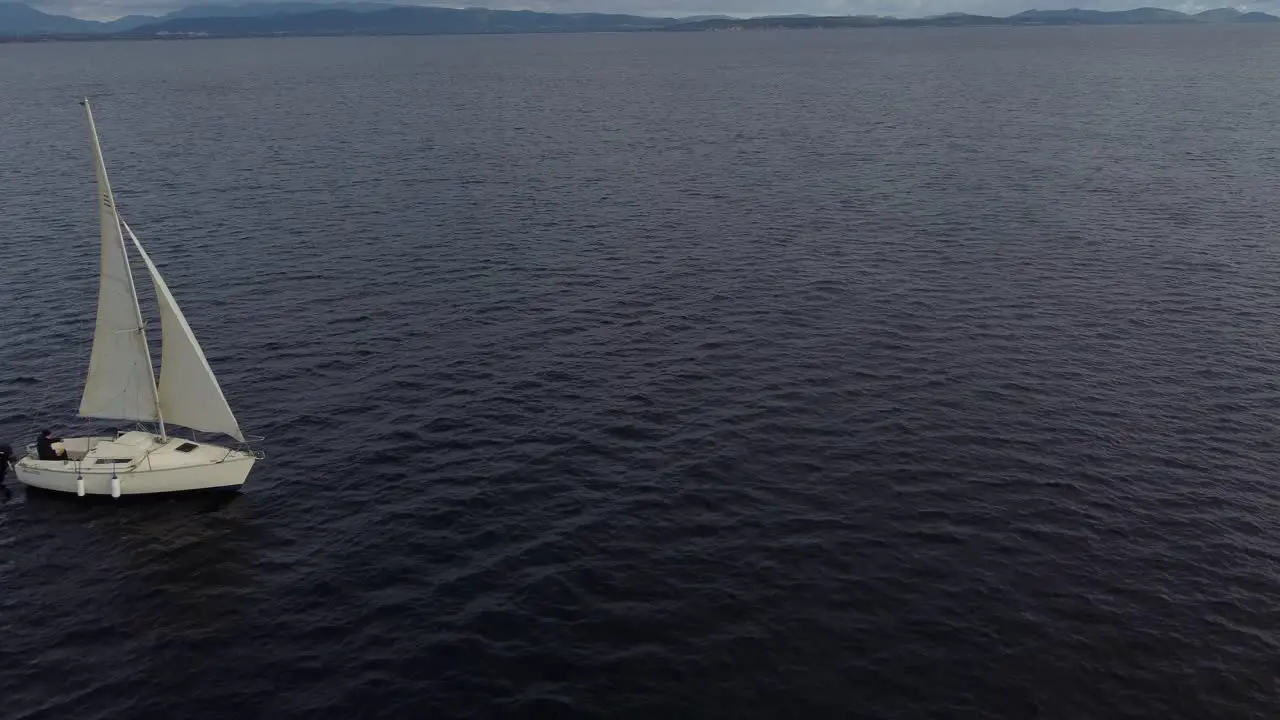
115,486
80,485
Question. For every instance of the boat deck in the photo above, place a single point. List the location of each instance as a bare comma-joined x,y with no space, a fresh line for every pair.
133,451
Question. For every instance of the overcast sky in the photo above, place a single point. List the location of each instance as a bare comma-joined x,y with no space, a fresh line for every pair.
108,9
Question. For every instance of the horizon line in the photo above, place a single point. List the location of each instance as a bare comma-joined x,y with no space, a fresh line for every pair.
680,16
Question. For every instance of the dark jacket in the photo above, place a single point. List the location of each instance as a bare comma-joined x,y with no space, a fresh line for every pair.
44,448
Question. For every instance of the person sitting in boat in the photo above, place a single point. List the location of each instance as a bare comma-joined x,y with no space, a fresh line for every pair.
44,447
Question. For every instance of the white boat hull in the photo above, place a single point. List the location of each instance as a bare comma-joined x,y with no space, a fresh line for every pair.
157,466
230,474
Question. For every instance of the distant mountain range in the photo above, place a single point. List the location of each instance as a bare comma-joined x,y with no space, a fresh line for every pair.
401,21
21,21
1140,16
16,17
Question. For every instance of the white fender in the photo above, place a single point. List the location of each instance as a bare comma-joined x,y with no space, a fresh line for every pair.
80,486
115,486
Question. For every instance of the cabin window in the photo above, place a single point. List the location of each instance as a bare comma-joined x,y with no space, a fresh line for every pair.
186,447
108,461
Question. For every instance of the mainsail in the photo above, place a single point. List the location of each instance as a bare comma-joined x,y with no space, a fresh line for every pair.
121,383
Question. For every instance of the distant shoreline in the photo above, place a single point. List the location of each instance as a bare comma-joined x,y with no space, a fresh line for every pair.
102,38
368,20
54,39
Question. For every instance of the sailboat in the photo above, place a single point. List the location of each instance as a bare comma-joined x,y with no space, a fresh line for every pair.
121,385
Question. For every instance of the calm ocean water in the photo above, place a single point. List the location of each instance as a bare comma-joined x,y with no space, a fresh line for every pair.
883,374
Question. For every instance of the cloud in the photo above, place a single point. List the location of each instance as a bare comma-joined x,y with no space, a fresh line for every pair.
110,9
105,9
